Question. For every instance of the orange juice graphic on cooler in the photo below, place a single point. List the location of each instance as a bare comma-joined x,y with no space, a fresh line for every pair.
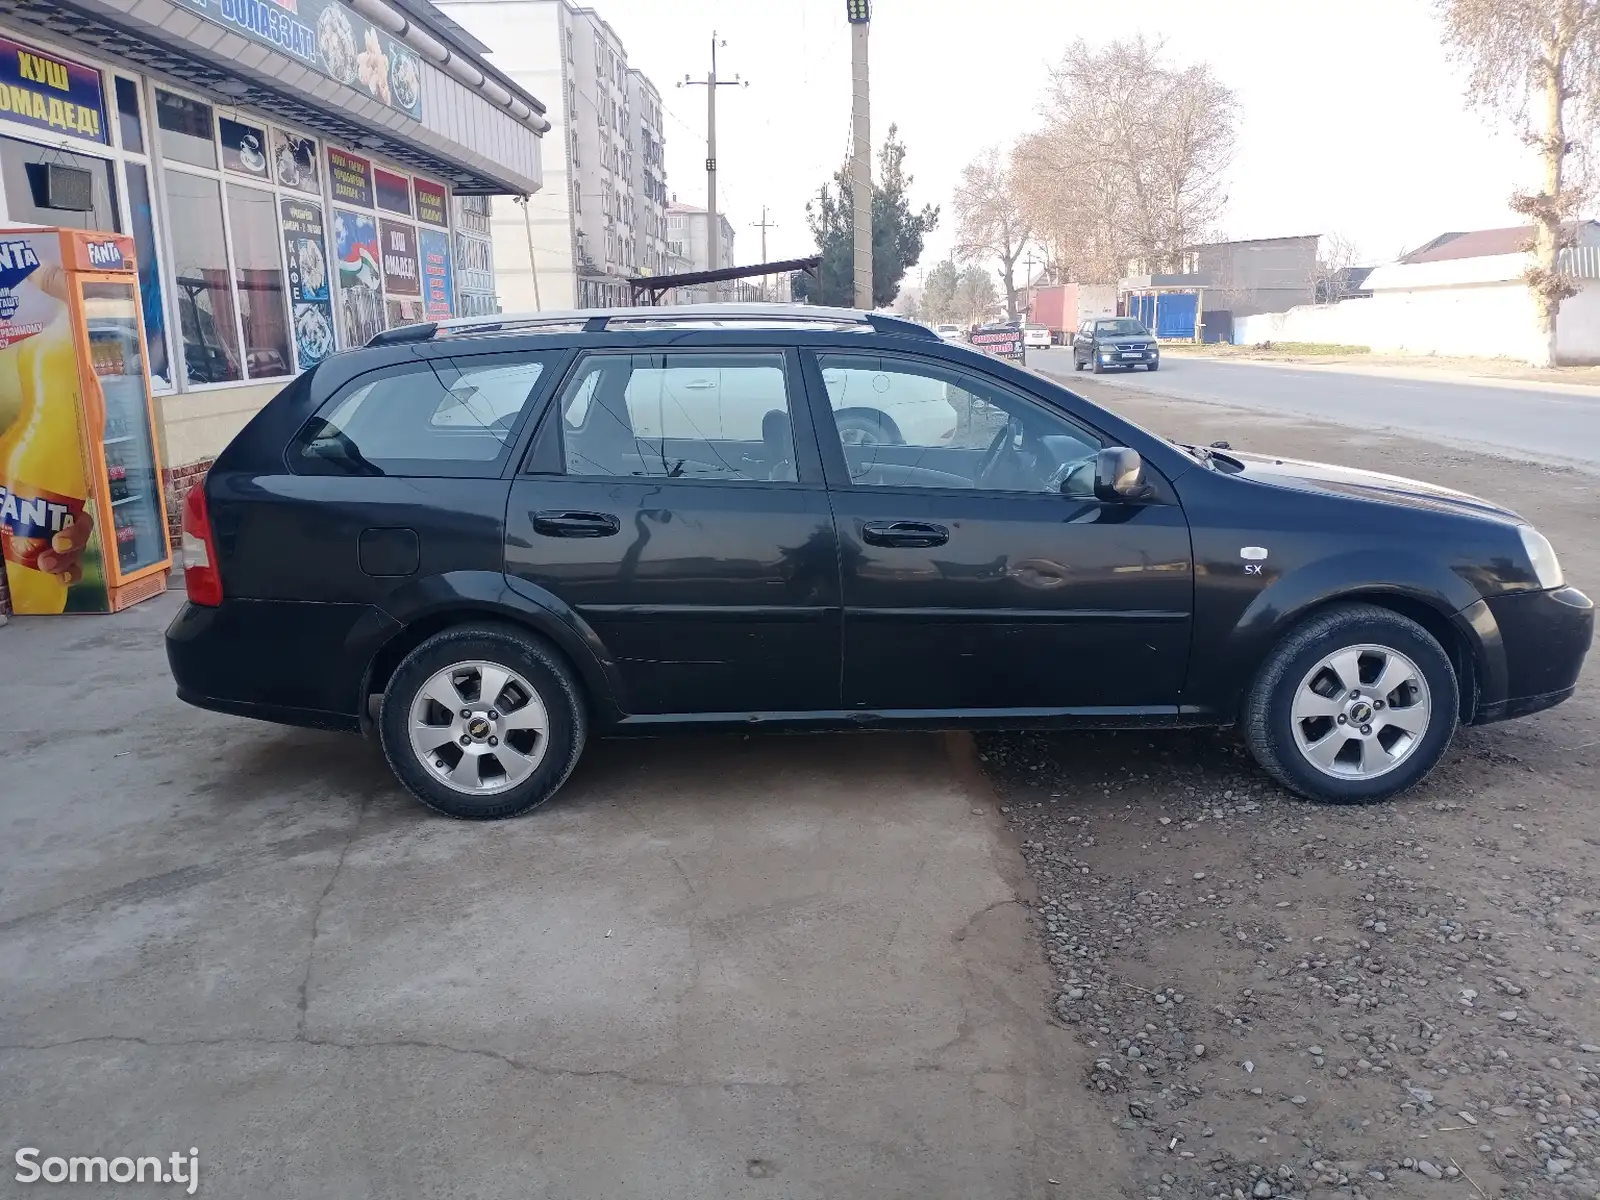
43,481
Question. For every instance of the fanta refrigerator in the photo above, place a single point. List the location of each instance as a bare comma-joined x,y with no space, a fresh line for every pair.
83,522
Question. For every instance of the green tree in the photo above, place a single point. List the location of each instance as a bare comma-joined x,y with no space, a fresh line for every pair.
939,293
898,232
976,297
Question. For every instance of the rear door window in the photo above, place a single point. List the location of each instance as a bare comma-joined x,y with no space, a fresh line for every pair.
721,415
442,416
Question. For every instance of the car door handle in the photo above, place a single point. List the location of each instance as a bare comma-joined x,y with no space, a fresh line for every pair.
909,535
561,523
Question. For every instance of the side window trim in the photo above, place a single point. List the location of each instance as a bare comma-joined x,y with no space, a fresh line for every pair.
837,467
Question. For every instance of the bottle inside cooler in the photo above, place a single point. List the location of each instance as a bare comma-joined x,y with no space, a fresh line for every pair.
133,482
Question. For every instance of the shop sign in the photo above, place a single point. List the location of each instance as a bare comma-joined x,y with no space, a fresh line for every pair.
47,91
394,194
351,178
431,202
400,275
355,240
306,251
295,161
438,288
331,39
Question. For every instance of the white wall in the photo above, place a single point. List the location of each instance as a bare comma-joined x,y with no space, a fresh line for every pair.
1483,321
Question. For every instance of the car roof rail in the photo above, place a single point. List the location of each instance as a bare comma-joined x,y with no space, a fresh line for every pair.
598,320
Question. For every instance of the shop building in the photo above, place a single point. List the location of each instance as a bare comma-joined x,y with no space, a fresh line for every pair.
295,175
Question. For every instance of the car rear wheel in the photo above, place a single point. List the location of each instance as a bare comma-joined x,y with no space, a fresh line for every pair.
482,722
1353,706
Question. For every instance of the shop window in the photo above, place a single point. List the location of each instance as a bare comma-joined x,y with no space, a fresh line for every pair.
144,248
258,276
128,115
200,273
29,198
186,133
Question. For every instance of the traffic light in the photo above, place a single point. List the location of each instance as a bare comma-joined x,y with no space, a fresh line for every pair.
858,12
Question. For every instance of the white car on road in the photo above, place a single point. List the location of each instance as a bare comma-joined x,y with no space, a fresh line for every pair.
1036,337
950,333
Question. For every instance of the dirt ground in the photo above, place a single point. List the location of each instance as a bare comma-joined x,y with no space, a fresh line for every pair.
1287,999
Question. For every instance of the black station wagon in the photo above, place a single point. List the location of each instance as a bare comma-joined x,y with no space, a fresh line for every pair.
482,540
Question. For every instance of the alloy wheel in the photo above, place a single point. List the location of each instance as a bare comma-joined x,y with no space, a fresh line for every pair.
1361,711
479,727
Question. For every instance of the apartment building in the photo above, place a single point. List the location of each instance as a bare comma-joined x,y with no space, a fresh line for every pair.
687,246
649,176
600,216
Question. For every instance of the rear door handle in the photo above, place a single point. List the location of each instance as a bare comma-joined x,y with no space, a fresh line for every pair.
562,523
908,535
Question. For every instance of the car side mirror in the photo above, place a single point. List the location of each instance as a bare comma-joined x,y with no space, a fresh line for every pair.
1119,475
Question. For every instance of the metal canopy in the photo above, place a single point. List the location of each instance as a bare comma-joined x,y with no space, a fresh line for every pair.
647,289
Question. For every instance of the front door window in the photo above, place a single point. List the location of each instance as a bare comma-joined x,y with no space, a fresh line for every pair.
903,423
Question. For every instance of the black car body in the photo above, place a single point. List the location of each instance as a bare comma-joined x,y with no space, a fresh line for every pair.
1044,563
1114,343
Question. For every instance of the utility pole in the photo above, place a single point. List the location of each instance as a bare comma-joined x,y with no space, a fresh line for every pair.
859,14
764,225
1027,282
533,267
711,83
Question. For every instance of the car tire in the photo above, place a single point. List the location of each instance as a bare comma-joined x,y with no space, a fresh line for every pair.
1292,714
1077,363
1155,366
1096,366
543,725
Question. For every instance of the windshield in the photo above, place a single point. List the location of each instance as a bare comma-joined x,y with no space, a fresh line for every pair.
1121,327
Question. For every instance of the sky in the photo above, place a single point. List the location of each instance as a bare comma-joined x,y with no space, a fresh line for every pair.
1353,120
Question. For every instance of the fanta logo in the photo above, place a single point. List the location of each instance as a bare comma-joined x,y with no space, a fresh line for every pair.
17,262
106,255
34,516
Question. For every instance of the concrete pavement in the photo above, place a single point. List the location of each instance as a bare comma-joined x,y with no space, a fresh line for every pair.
712,966
1542,422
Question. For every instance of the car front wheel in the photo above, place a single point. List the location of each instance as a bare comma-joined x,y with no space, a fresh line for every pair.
482,722
1356,704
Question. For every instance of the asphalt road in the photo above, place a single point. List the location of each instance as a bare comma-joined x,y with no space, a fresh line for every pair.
1530,421
780,968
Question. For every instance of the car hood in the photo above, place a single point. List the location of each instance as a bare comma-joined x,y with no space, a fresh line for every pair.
1365,485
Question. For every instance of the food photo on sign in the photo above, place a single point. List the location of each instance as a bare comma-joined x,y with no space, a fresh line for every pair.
295,161
306,253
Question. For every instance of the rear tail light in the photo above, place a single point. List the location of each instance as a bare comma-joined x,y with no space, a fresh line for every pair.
200,575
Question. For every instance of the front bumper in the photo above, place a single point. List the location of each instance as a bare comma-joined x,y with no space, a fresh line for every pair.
1543,640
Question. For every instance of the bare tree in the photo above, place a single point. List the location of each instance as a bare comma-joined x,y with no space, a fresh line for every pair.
1539,62
1330,274
1130,161
990,223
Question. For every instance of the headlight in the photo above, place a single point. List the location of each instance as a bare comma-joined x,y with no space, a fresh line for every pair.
1546,567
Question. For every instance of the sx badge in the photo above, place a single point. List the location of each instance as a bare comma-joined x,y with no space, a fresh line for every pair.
1253,556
